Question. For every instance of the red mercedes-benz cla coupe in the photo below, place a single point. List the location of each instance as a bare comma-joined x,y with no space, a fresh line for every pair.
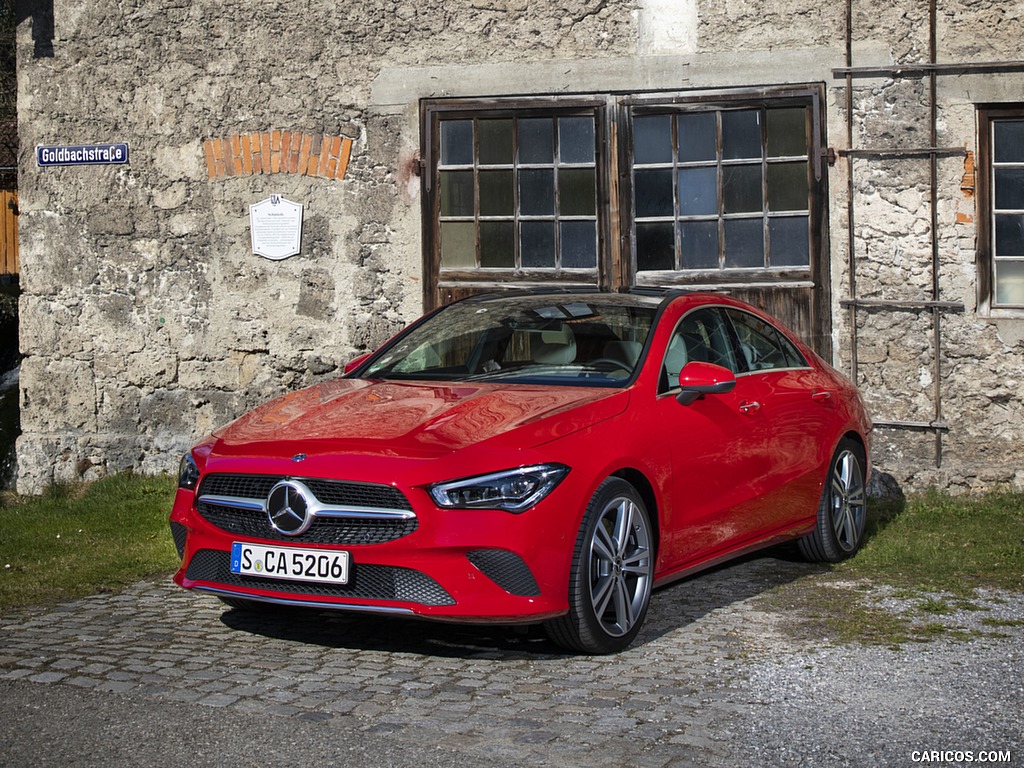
539,457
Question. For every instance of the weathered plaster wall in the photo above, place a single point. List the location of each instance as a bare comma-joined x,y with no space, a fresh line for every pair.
981,377
147,321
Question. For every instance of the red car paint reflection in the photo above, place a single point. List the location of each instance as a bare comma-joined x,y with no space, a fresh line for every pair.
532,458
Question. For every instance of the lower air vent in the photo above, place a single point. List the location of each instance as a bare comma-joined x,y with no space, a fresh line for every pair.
370,582
507,570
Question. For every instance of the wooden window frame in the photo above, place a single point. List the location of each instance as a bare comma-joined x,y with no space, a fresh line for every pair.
987,114
444,284
809,288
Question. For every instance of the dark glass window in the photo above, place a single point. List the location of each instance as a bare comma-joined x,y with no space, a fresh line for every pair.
722,189
701,336
518,192
1007,204
762,346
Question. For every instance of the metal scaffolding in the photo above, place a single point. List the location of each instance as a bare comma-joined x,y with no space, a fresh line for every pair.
932,304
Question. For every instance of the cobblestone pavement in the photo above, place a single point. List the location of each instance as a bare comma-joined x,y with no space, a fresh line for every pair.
713,680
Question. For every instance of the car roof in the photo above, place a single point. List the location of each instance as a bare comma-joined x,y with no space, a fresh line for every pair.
642,297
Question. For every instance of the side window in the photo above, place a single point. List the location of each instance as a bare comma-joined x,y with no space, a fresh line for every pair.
762,346
701,336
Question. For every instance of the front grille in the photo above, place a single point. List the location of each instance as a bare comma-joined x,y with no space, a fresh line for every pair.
345,531
370,582
325,530
507,570
327,491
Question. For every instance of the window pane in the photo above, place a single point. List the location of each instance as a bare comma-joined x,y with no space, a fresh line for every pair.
652,139
653,193
741,188
741,134
457,142
579,244
537,244
744,243
787,132
1010,282
496,198
497,248
1009,188
1009,140
537,192
458,245
1009,234
576,139
698,244
655,247
789,242
536,140
763,347
787,187
495,142
577,194
698,191
456,193
697,137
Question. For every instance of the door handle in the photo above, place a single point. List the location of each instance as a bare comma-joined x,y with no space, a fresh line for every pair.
749,406
821,396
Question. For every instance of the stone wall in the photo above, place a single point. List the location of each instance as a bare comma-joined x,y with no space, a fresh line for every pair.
147,321
981,359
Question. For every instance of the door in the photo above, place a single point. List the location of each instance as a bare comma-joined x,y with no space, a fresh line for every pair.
795,403
717,446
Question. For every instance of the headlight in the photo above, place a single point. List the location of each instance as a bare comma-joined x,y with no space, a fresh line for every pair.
514,490
188,473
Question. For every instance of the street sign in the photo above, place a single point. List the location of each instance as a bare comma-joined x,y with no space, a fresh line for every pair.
82,154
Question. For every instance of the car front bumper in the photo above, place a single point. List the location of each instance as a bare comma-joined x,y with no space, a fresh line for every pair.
455,565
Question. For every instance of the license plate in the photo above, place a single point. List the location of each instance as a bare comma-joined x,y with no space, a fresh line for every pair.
322,566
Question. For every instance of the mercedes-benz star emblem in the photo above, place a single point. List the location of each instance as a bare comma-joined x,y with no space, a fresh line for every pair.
288,508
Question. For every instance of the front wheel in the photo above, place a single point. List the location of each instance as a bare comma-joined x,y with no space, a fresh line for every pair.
612,573
842,511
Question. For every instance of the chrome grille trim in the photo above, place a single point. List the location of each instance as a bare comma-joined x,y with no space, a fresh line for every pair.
253,505
317,510
342,512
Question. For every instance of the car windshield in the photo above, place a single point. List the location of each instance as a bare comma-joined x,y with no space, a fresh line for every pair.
586,341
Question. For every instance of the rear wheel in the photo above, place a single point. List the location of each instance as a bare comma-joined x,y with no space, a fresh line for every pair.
612,573
842,511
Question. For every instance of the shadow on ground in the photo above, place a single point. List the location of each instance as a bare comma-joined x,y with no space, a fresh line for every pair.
673,607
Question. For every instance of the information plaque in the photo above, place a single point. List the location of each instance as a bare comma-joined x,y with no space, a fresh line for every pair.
276,226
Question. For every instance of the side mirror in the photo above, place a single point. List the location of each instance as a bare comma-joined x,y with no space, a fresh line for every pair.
698,379
351,365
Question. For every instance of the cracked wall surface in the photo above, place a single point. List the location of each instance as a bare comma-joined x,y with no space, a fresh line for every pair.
147,321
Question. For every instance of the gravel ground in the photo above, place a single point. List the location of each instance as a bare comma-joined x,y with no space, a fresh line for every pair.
733,668
955,700
853,706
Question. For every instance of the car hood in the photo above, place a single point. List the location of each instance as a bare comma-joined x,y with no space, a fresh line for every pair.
413,419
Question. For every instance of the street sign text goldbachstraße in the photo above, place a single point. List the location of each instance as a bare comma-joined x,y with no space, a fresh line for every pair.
83,154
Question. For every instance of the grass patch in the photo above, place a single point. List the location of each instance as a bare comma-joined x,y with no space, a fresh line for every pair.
936,556
943,543
84,539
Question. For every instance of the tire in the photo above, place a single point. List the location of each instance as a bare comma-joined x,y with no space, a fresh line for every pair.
612,573
842,511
